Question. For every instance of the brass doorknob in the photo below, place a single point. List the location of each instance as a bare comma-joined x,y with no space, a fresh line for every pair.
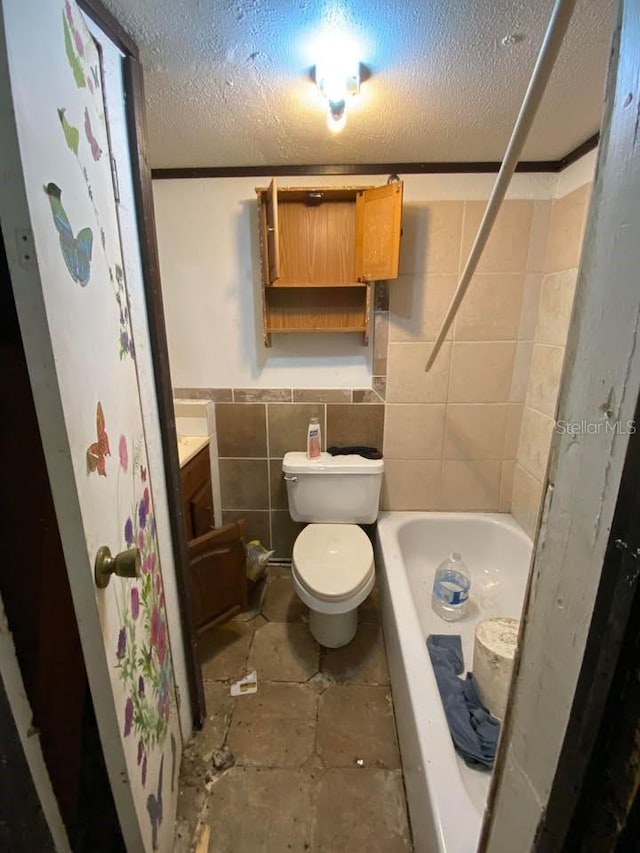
126,564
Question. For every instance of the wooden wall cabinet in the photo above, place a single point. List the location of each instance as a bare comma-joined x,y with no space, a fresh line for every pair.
321,247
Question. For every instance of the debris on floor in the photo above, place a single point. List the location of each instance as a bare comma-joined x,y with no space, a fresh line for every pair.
202,842
360,762
320,681
222,758
257,558
248,684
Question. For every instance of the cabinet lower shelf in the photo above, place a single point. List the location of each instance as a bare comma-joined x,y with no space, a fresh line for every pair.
291,330
316,309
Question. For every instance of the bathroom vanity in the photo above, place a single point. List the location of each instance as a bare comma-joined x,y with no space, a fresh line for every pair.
216,554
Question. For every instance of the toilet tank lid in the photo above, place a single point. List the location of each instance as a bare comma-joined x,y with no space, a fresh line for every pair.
297,462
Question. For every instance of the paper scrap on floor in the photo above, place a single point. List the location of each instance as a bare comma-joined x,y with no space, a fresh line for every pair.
248,684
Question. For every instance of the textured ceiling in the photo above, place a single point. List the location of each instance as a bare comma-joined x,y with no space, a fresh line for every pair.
227,80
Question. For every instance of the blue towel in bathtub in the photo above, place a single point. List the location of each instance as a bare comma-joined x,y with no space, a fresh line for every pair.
473,730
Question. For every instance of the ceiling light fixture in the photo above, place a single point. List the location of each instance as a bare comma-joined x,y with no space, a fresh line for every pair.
337,78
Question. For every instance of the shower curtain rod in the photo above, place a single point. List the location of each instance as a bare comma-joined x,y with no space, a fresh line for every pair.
551,45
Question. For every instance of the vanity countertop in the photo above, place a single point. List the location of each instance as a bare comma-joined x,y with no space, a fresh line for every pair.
189,446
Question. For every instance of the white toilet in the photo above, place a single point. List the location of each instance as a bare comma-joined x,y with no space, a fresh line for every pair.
333,569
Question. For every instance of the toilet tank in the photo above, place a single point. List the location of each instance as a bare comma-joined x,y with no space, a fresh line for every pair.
333,489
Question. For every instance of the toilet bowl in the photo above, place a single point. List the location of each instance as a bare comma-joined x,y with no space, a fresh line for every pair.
333,572
332,566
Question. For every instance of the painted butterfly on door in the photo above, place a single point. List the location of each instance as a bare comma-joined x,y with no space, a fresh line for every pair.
96,151
76,251
99,450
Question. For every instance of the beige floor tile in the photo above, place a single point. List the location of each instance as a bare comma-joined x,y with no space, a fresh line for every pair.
261,811
355,721
361,811
281,604
223,650
363,661
284,651
274,727
280,796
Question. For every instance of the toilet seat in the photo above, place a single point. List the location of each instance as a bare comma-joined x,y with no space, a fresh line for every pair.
333,562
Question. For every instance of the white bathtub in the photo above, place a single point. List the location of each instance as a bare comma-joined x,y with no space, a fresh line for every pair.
446,798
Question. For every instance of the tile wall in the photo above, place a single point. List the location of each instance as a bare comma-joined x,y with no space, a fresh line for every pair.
543,353
474,433
254,429
451,434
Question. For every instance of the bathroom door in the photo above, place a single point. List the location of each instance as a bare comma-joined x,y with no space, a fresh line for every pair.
59,211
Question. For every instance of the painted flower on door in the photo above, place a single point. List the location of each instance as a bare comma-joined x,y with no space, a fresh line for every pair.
142,651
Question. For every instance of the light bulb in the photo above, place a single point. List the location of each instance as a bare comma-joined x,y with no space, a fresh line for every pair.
336,123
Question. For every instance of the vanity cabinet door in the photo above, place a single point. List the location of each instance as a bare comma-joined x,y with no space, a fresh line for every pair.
218,575
378,230
201,507
197,495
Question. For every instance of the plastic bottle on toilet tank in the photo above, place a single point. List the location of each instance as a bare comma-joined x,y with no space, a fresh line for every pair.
313,439
451,586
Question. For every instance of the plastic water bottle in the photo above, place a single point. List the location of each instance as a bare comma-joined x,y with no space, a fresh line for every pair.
451,588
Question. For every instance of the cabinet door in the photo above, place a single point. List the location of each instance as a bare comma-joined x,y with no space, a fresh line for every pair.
378,224
197,496
270,235
202,509
218,575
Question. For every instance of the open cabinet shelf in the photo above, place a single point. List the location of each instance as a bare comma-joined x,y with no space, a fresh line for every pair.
320,250
318,309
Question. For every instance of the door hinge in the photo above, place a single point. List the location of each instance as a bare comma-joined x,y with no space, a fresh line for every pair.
26,248
114,175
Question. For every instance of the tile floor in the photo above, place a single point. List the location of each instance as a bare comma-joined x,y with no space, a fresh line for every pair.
316,762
